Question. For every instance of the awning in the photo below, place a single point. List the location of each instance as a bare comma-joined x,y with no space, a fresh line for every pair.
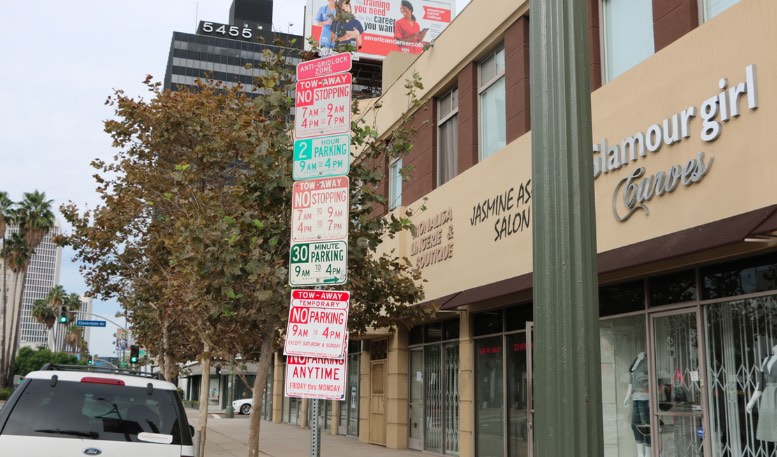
760,223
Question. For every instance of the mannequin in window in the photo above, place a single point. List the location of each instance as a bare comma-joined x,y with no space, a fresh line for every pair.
766,391
639,396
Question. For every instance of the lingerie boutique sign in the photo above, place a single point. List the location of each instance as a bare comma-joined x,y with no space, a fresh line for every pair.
638,188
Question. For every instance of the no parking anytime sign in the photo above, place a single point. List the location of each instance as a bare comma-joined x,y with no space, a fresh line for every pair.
308,377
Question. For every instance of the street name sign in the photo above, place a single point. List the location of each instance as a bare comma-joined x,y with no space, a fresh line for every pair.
325,66
308,377
323,106
318,264
320,209
322,156
86,323
318,324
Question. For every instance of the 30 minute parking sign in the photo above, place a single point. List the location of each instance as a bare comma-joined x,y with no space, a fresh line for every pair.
318,264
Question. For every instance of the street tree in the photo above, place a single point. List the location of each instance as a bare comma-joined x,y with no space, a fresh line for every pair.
193,231
33,219
33,359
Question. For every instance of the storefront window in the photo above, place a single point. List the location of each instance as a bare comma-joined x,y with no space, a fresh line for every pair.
740,336
517,394
758,274
434,389
672,288
623,343
349,406
621,298
489,393
487,323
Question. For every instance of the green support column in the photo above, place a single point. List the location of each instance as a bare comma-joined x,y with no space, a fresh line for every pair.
567,377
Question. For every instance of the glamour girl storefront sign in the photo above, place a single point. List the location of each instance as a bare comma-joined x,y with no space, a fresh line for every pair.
635,191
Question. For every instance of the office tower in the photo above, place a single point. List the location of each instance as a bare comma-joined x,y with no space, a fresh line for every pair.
42,275
222,51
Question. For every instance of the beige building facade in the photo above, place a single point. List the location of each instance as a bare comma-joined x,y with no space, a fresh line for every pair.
686,218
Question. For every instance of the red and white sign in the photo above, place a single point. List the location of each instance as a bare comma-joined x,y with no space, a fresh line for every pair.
326,66
318,324
323,106
308,377
382,24
319,209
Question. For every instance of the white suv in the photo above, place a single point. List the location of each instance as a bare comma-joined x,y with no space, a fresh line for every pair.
75,411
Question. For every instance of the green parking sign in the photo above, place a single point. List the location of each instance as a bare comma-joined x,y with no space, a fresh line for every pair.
318,264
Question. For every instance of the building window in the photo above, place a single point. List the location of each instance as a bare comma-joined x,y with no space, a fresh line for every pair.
447,137
491,88
714,7
628,35
395,183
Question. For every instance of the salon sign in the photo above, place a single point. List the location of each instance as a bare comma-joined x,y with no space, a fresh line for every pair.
634,192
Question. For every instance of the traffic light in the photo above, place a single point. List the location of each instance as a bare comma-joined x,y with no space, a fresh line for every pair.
90,360
134,353
63,315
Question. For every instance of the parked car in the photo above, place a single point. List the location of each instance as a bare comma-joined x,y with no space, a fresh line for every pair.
243,406
77,410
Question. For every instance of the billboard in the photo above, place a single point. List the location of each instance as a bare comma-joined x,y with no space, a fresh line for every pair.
379,26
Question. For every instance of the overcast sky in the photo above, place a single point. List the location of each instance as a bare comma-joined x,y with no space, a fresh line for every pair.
61,59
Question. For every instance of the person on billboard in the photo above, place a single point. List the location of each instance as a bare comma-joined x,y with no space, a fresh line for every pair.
324,18
346,29
407,31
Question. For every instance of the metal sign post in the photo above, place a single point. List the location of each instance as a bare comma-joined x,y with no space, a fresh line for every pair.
315,432
317,333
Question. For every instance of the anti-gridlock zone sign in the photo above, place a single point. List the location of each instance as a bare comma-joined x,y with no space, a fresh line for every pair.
318,324
323,106
320,210
308,377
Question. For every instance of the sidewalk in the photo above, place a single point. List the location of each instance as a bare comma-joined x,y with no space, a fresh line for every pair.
229,437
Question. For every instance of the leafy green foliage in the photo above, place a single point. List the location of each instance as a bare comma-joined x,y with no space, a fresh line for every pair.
33,359
193,232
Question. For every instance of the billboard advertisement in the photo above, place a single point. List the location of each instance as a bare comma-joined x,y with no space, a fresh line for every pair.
378,27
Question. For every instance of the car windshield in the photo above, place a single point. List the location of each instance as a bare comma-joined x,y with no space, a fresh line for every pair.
93,411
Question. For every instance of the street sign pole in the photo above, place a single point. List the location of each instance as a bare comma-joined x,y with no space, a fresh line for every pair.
319,232
567,380
315,432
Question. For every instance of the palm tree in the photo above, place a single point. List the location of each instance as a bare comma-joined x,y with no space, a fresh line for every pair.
42,312
34,218
5,206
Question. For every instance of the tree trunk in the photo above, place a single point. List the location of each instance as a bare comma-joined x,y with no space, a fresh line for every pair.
3,322
260,381
164,361
12,329
202,424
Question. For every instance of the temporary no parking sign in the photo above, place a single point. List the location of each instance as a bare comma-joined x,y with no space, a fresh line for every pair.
318,324
323,106
308,377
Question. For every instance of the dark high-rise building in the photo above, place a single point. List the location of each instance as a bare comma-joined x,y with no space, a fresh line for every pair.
224,51
257,11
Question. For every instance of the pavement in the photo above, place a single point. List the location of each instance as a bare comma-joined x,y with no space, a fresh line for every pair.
229,437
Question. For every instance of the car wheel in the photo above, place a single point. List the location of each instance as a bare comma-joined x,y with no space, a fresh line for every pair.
245,409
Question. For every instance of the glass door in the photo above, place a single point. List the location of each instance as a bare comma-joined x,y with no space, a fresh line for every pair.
416,403
678,406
